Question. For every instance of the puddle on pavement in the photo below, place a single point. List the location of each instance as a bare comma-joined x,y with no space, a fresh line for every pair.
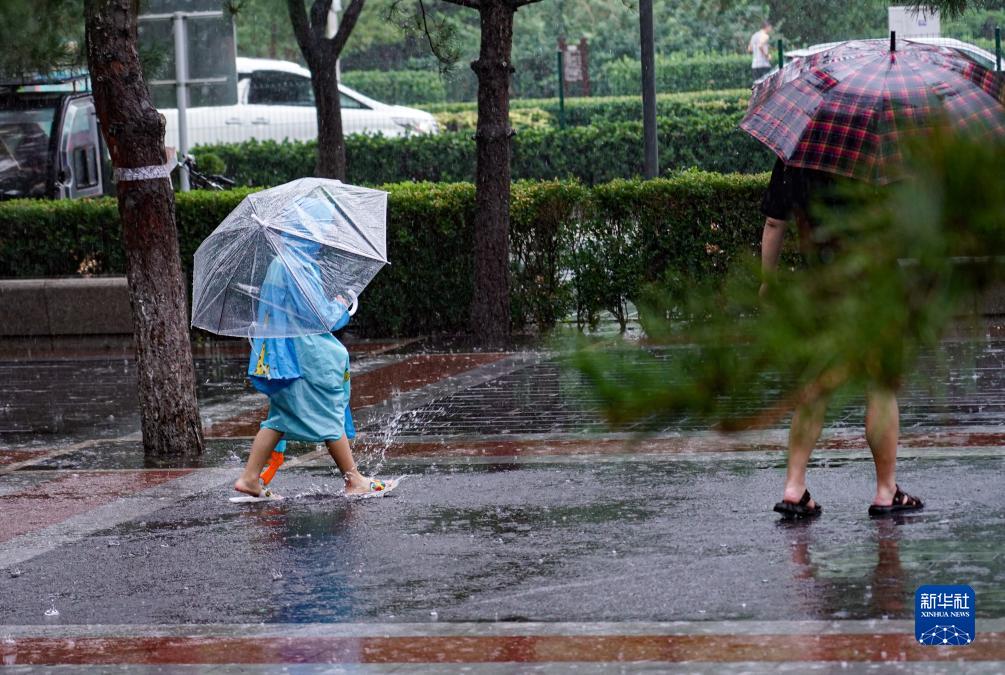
613,541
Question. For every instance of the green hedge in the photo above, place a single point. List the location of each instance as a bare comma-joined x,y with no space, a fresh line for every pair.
675,74
535,77
574,248
601,109
403,87
592,154
414,87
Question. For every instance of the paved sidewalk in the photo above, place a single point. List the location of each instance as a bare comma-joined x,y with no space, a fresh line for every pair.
527,536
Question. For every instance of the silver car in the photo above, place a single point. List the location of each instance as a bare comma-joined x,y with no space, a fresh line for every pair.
275,101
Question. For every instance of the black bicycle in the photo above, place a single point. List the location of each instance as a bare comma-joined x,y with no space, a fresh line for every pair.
205,181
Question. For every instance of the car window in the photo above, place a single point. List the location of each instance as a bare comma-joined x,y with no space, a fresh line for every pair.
983,60
79,136
349,102
273,87
24,148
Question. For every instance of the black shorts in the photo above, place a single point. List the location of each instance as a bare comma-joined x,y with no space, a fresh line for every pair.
758,73
791,189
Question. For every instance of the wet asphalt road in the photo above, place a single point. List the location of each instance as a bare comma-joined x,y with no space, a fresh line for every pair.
622,538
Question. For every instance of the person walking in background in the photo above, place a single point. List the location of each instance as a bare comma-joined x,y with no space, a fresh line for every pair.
759,47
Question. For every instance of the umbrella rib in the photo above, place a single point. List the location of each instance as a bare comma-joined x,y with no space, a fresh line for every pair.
356,227
220,262
955,89
223,304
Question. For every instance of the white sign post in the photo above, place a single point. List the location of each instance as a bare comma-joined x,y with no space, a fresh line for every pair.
171,27
181,81
914,21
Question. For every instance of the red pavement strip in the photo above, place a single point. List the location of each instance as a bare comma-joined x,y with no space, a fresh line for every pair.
691,443
54,501
14,456
375,386
496,649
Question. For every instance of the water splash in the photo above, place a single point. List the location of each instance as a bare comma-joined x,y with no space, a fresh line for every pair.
373,450
52,611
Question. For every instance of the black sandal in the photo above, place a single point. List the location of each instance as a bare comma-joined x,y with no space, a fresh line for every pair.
901,502
799,510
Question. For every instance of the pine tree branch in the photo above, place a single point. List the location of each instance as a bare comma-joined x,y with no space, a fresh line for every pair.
949,8
346,25
439,39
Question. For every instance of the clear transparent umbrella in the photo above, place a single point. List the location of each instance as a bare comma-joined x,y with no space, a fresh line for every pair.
287,260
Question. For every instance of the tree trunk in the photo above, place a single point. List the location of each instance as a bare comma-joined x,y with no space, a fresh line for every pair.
490,311
134,132
331,142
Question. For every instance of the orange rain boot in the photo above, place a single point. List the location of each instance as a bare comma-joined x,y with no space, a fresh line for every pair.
275,461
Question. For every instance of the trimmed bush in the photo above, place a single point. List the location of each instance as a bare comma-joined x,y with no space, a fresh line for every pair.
591,154
572,247
519,118
535,77
401,87
674,74
414,87
608,109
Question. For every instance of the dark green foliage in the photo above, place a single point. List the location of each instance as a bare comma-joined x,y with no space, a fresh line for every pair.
543,225
610,109
678,74
573,248
592,154
642,232
911,257
427,288
399,87
622,77
39,36
42,238
807,22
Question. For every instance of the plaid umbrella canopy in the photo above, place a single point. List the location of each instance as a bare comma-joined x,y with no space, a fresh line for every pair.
848,109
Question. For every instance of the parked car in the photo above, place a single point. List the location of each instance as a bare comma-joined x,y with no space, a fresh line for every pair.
49,144
981,56
275,101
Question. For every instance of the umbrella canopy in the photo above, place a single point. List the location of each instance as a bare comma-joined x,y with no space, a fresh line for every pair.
848,109
279,263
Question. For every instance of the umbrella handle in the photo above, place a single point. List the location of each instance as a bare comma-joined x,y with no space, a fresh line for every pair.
354,305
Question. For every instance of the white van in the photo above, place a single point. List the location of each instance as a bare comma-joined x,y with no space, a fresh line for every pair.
275,101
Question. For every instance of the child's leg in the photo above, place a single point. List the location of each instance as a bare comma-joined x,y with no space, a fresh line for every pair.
265,442
342,454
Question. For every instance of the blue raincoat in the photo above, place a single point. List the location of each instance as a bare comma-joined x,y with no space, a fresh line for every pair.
305,377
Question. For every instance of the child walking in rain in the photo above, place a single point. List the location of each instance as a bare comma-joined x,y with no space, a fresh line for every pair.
306,377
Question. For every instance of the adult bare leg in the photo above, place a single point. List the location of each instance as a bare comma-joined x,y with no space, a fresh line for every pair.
882,432
807,423
265,442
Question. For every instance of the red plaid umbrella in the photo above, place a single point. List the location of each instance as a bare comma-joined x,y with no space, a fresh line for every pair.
847,110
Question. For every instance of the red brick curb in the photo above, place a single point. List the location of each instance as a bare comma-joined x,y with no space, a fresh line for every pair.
495,649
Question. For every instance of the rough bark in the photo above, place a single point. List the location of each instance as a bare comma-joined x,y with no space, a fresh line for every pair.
322,55
490,311
331,162
134,133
